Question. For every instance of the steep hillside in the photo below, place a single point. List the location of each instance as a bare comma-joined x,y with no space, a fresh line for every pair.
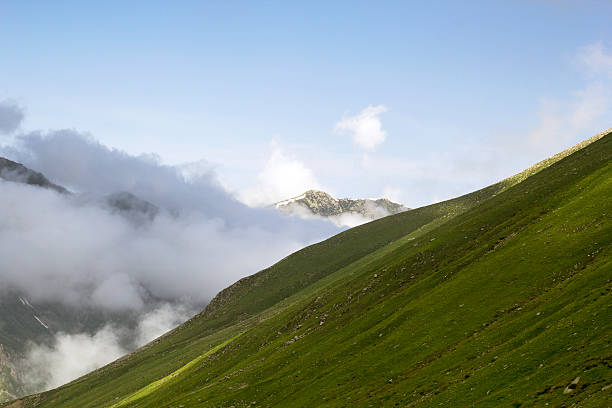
501,297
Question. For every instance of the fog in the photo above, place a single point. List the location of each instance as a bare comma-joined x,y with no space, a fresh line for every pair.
73,355
347,219
76,250
72,249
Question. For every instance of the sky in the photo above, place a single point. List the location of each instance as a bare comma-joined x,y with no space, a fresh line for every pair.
415,102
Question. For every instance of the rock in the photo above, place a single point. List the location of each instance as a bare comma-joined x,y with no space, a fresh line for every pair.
572,386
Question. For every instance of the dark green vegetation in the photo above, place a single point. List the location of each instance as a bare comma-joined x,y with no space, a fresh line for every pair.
501,297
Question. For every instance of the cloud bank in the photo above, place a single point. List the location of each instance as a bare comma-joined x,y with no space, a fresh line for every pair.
72,355
72,249
158,268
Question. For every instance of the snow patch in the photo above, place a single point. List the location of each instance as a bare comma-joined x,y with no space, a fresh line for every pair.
24,301
41,322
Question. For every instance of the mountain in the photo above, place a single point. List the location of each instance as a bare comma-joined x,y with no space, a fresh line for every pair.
20,322
17,172
319,203
23,321
124,202
501,297
131,206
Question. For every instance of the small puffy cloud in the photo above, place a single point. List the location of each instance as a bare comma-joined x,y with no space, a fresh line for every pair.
365,128
284,176
11,116
161,320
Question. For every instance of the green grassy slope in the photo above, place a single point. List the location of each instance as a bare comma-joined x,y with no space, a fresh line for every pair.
498,298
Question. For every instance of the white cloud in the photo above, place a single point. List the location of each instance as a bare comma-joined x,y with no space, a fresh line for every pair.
550,124
196,169
71,356
159,321
393,193
283,176
349,220
584,112
11,116
365,128
596,59
589,104
72,249
77,251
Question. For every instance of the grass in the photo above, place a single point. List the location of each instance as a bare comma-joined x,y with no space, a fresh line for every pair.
498,298
173,377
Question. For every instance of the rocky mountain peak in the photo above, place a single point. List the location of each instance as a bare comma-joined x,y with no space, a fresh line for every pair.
320,203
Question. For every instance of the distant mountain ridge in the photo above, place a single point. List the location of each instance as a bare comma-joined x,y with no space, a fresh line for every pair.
323,204
17,172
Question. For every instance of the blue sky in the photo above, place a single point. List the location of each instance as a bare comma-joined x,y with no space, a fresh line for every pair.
463,93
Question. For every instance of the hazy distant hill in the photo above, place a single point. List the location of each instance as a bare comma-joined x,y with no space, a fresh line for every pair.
500,297
17,172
